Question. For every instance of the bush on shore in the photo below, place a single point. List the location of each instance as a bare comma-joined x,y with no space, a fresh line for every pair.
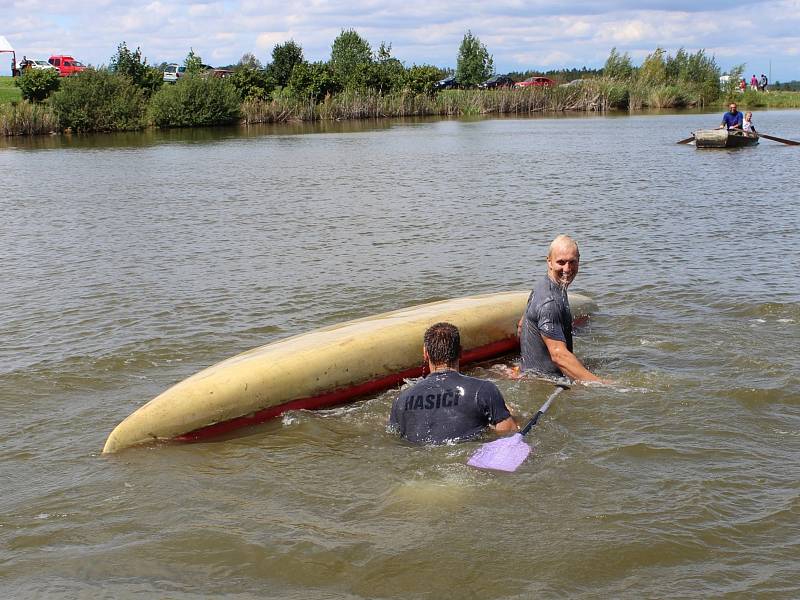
36,85
99,100
195,101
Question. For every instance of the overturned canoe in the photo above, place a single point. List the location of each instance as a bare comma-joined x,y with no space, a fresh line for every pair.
723,138
323,368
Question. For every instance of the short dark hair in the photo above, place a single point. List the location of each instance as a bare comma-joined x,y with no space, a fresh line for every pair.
443,343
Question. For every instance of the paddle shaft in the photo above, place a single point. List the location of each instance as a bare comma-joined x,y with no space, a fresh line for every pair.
561,387
687,140
781,140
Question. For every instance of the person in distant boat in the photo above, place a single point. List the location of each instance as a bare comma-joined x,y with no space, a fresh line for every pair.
732,119
545,330
446,405
747,124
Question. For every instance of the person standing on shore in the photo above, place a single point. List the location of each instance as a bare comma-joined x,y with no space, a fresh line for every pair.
763,83
545,329
731,119
446,405
754,83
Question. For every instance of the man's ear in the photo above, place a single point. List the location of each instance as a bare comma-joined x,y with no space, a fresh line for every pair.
425,354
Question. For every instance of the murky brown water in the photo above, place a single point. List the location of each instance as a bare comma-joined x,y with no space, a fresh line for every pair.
129,262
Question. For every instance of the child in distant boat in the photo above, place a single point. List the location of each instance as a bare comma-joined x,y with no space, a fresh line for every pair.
747,124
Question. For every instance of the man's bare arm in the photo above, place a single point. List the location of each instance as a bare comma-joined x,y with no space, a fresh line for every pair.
567,362
508,425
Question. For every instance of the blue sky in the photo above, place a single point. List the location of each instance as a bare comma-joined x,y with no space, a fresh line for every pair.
521,35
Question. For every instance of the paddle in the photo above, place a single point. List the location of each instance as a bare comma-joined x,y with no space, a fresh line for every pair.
508,453
687,140
781,140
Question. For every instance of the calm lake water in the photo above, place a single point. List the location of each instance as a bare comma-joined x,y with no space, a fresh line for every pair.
130,262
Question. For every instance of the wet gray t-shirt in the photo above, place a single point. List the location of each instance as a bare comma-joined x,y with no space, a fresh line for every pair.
547,314
445,406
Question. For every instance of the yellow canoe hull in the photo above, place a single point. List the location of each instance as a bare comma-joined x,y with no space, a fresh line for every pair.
323,368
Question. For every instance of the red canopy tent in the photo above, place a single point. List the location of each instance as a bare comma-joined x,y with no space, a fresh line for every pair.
6,47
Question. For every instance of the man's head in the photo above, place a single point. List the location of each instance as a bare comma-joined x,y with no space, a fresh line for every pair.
442,345
563,260
732,108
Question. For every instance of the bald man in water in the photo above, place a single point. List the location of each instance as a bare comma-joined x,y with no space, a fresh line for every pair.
546,327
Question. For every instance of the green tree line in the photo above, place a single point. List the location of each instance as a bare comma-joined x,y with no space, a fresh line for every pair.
130,94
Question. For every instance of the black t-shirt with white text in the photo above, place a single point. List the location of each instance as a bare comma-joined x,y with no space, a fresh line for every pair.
447,406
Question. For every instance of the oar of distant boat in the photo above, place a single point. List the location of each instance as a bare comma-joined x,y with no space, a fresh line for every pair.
764,135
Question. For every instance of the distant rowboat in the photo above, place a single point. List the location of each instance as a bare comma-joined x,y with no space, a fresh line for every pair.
724,138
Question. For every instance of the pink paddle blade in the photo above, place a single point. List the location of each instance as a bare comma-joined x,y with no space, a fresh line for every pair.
505,454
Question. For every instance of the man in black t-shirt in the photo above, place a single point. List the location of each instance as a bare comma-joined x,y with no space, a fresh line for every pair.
545,329
446,405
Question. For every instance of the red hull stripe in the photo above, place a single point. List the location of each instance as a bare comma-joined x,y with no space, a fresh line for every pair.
343,395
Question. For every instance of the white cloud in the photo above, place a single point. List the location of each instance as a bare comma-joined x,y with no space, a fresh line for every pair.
520,34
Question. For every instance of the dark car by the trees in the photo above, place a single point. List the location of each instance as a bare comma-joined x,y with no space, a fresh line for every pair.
498,81
448,83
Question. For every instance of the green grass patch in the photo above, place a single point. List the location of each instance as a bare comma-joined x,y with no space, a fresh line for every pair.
8,91
752,100
771,99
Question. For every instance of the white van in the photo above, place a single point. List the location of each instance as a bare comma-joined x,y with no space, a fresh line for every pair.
173,72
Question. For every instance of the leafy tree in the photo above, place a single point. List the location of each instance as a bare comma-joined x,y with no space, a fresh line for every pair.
697,73
654,69
249,60
284,59
731,88
618,66
386,73
312,81
99,100
195,102
131,64
351,56
474,61
37,84
420,78
193,63
251,82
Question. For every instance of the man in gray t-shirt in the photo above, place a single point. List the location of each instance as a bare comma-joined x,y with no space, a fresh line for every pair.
545,329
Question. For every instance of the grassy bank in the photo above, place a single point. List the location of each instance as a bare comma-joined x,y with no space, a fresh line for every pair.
595,96
752,100
8,91
591,95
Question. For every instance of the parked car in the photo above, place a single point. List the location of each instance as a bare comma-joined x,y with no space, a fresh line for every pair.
573,83
447,83
222,73
536,82
38,65
498,81
66,65
173,72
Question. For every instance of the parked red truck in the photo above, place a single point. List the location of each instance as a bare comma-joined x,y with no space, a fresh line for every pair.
66,65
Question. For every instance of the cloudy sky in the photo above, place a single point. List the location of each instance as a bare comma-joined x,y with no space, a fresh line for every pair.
521,35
